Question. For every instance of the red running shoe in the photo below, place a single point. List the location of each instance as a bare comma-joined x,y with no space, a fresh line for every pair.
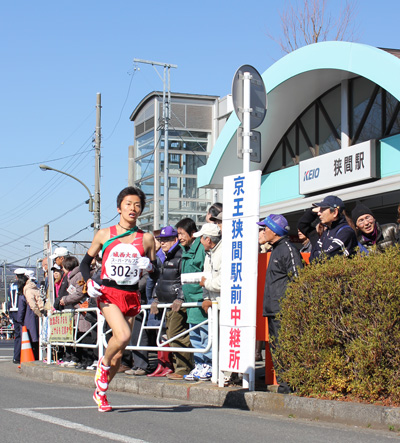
101,402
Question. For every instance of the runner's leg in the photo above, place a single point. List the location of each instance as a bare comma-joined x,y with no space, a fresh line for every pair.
121,329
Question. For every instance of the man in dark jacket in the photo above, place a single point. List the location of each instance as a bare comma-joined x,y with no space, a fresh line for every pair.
283,264
370,232
169,290
338,237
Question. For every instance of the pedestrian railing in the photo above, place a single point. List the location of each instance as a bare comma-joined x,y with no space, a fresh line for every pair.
161,345
6,332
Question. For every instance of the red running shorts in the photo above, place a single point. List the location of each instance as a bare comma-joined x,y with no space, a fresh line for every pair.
127,301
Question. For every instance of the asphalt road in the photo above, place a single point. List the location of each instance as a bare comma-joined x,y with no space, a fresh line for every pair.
6,350
36,411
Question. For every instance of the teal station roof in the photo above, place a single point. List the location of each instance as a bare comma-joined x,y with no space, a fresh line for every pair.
292,83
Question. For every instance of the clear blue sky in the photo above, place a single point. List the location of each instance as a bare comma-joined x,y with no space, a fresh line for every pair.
55,57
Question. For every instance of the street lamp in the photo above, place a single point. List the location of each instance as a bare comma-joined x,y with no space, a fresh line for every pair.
48,168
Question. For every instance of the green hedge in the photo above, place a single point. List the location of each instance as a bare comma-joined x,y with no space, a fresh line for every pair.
340,331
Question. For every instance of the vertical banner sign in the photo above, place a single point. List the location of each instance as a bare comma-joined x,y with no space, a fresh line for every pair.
239,271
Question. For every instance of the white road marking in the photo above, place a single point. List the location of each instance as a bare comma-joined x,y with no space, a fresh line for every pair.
75,426
95,407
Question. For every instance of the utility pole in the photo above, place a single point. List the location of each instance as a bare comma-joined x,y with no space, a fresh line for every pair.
5,283
46,239
28,262
97,165
166,117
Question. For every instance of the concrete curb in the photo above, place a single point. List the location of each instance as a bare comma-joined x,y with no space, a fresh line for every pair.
205,393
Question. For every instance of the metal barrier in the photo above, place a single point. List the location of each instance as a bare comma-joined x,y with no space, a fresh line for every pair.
101,342
8,332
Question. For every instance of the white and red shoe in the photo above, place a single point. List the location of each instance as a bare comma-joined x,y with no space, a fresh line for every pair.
101,402
101,376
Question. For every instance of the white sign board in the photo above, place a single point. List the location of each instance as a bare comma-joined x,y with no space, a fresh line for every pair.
349,165
239,271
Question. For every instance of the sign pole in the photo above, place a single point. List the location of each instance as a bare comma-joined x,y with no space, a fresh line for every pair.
246,121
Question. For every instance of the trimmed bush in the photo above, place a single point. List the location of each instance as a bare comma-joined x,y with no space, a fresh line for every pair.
340,330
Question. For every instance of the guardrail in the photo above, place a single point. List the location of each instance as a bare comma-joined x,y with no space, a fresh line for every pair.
101,342
7,332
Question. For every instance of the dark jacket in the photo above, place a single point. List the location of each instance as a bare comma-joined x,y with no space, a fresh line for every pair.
306,226
386,236
193,261
283,264
28,318
169,279
339,239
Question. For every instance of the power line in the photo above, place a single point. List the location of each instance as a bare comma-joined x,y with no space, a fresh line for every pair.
123,106
41,227
43,161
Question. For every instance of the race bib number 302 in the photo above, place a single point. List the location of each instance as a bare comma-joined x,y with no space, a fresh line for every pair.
121,265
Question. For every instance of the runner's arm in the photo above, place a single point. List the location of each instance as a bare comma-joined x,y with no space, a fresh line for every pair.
99,239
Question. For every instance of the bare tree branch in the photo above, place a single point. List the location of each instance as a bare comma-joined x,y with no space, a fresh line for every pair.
308,21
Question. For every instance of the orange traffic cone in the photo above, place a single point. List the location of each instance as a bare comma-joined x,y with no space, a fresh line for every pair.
26,348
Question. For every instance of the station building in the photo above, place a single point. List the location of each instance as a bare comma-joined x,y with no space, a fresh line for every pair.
332,127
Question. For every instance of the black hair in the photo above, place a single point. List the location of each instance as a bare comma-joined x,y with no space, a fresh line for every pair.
215,209
21,282
131,190
70,262
188,225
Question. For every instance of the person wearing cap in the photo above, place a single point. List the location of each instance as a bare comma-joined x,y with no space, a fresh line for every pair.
338,237
59,255
193,261
210,237
127,252
369,232
213,211
169,290
13,309
217,220
284,263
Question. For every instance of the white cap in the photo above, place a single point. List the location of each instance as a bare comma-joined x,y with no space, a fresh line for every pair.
20,271
209,229
59,252
31,274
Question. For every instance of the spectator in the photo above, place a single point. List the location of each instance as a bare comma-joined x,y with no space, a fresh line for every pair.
58,277
369,231
30,308
306,244
169,290
193,261
76,298
210,237
217,220
13,309
59,255
283,265
213,211
338,237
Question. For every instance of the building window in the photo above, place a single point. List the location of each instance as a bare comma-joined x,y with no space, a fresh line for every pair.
374,114
316,131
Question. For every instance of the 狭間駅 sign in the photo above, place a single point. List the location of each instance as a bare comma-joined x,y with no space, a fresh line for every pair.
345,166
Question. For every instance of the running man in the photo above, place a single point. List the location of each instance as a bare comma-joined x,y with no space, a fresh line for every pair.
127,252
